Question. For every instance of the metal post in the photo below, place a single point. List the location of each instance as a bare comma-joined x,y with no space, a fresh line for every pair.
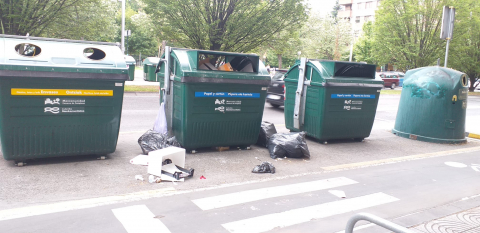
376,220
123,26
127,45
446,53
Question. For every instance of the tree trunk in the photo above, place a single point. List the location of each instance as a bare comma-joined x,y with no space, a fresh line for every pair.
279,60
472,86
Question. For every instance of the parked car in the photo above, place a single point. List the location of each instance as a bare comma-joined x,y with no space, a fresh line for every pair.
390,79
276,89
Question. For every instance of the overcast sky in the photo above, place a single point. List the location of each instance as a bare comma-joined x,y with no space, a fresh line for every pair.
322,7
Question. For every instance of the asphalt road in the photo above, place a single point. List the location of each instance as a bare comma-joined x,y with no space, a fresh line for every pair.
78,194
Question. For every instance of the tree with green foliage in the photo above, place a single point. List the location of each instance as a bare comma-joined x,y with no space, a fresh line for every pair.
34,16
227,25
335,10
323,38
91,20
464,54
407,32
364,47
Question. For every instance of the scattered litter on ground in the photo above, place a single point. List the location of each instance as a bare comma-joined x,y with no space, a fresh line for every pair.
152,140
139,177
154,179
265,167
292,145
168,164
202,178
267,129
279,159
140,160
222,148
338,193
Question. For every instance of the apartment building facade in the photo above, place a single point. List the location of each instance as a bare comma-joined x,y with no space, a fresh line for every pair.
358,12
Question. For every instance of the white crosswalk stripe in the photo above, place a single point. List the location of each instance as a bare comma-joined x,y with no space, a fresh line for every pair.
265,193
139,219
302,215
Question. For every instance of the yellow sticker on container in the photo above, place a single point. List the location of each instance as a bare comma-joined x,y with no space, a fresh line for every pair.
64,92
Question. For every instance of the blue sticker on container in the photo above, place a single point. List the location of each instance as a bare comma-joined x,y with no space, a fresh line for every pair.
352,96
227,94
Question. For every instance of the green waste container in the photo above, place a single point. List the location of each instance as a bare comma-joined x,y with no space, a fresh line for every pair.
59,97
335,100
130,61
207,106
149,65
433,105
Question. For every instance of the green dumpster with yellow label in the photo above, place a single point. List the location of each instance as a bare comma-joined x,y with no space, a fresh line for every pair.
59,97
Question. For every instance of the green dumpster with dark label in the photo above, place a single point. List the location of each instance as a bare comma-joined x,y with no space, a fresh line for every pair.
330,99
131,67
214,99
433,105
149,65
59,97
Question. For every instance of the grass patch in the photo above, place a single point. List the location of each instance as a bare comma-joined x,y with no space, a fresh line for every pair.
132,88
391,92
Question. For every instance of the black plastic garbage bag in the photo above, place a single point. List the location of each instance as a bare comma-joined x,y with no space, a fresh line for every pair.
265,167
291,145
267,129
152,140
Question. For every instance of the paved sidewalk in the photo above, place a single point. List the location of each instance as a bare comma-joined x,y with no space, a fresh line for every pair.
465,221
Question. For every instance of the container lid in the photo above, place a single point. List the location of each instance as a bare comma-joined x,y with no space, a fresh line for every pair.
151,61
337,73
190,65
35,54
129,60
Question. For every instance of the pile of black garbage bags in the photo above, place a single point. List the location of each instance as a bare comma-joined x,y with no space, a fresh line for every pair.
280,145
153,140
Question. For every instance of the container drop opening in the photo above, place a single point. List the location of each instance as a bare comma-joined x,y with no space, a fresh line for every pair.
29,50
94,54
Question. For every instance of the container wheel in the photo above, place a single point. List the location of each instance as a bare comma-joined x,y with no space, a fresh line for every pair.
325,142
393,86
358,139
193,151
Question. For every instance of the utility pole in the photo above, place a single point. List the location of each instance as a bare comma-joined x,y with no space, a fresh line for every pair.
123,26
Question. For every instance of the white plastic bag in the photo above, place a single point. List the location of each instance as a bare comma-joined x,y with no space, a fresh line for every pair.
160,125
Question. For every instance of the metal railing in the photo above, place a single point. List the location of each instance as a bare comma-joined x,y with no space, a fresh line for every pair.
375,220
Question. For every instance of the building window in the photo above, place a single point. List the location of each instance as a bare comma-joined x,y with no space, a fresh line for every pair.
357,19
368,18
368,5
360,5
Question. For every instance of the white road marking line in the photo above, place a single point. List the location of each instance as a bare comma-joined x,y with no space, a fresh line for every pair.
265,193
359,227
139,219
81,204
302,215
455,164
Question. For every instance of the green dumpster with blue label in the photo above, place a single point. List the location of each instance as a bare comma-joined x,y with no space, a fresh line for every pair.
214,99
433,105
59,97
331,99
